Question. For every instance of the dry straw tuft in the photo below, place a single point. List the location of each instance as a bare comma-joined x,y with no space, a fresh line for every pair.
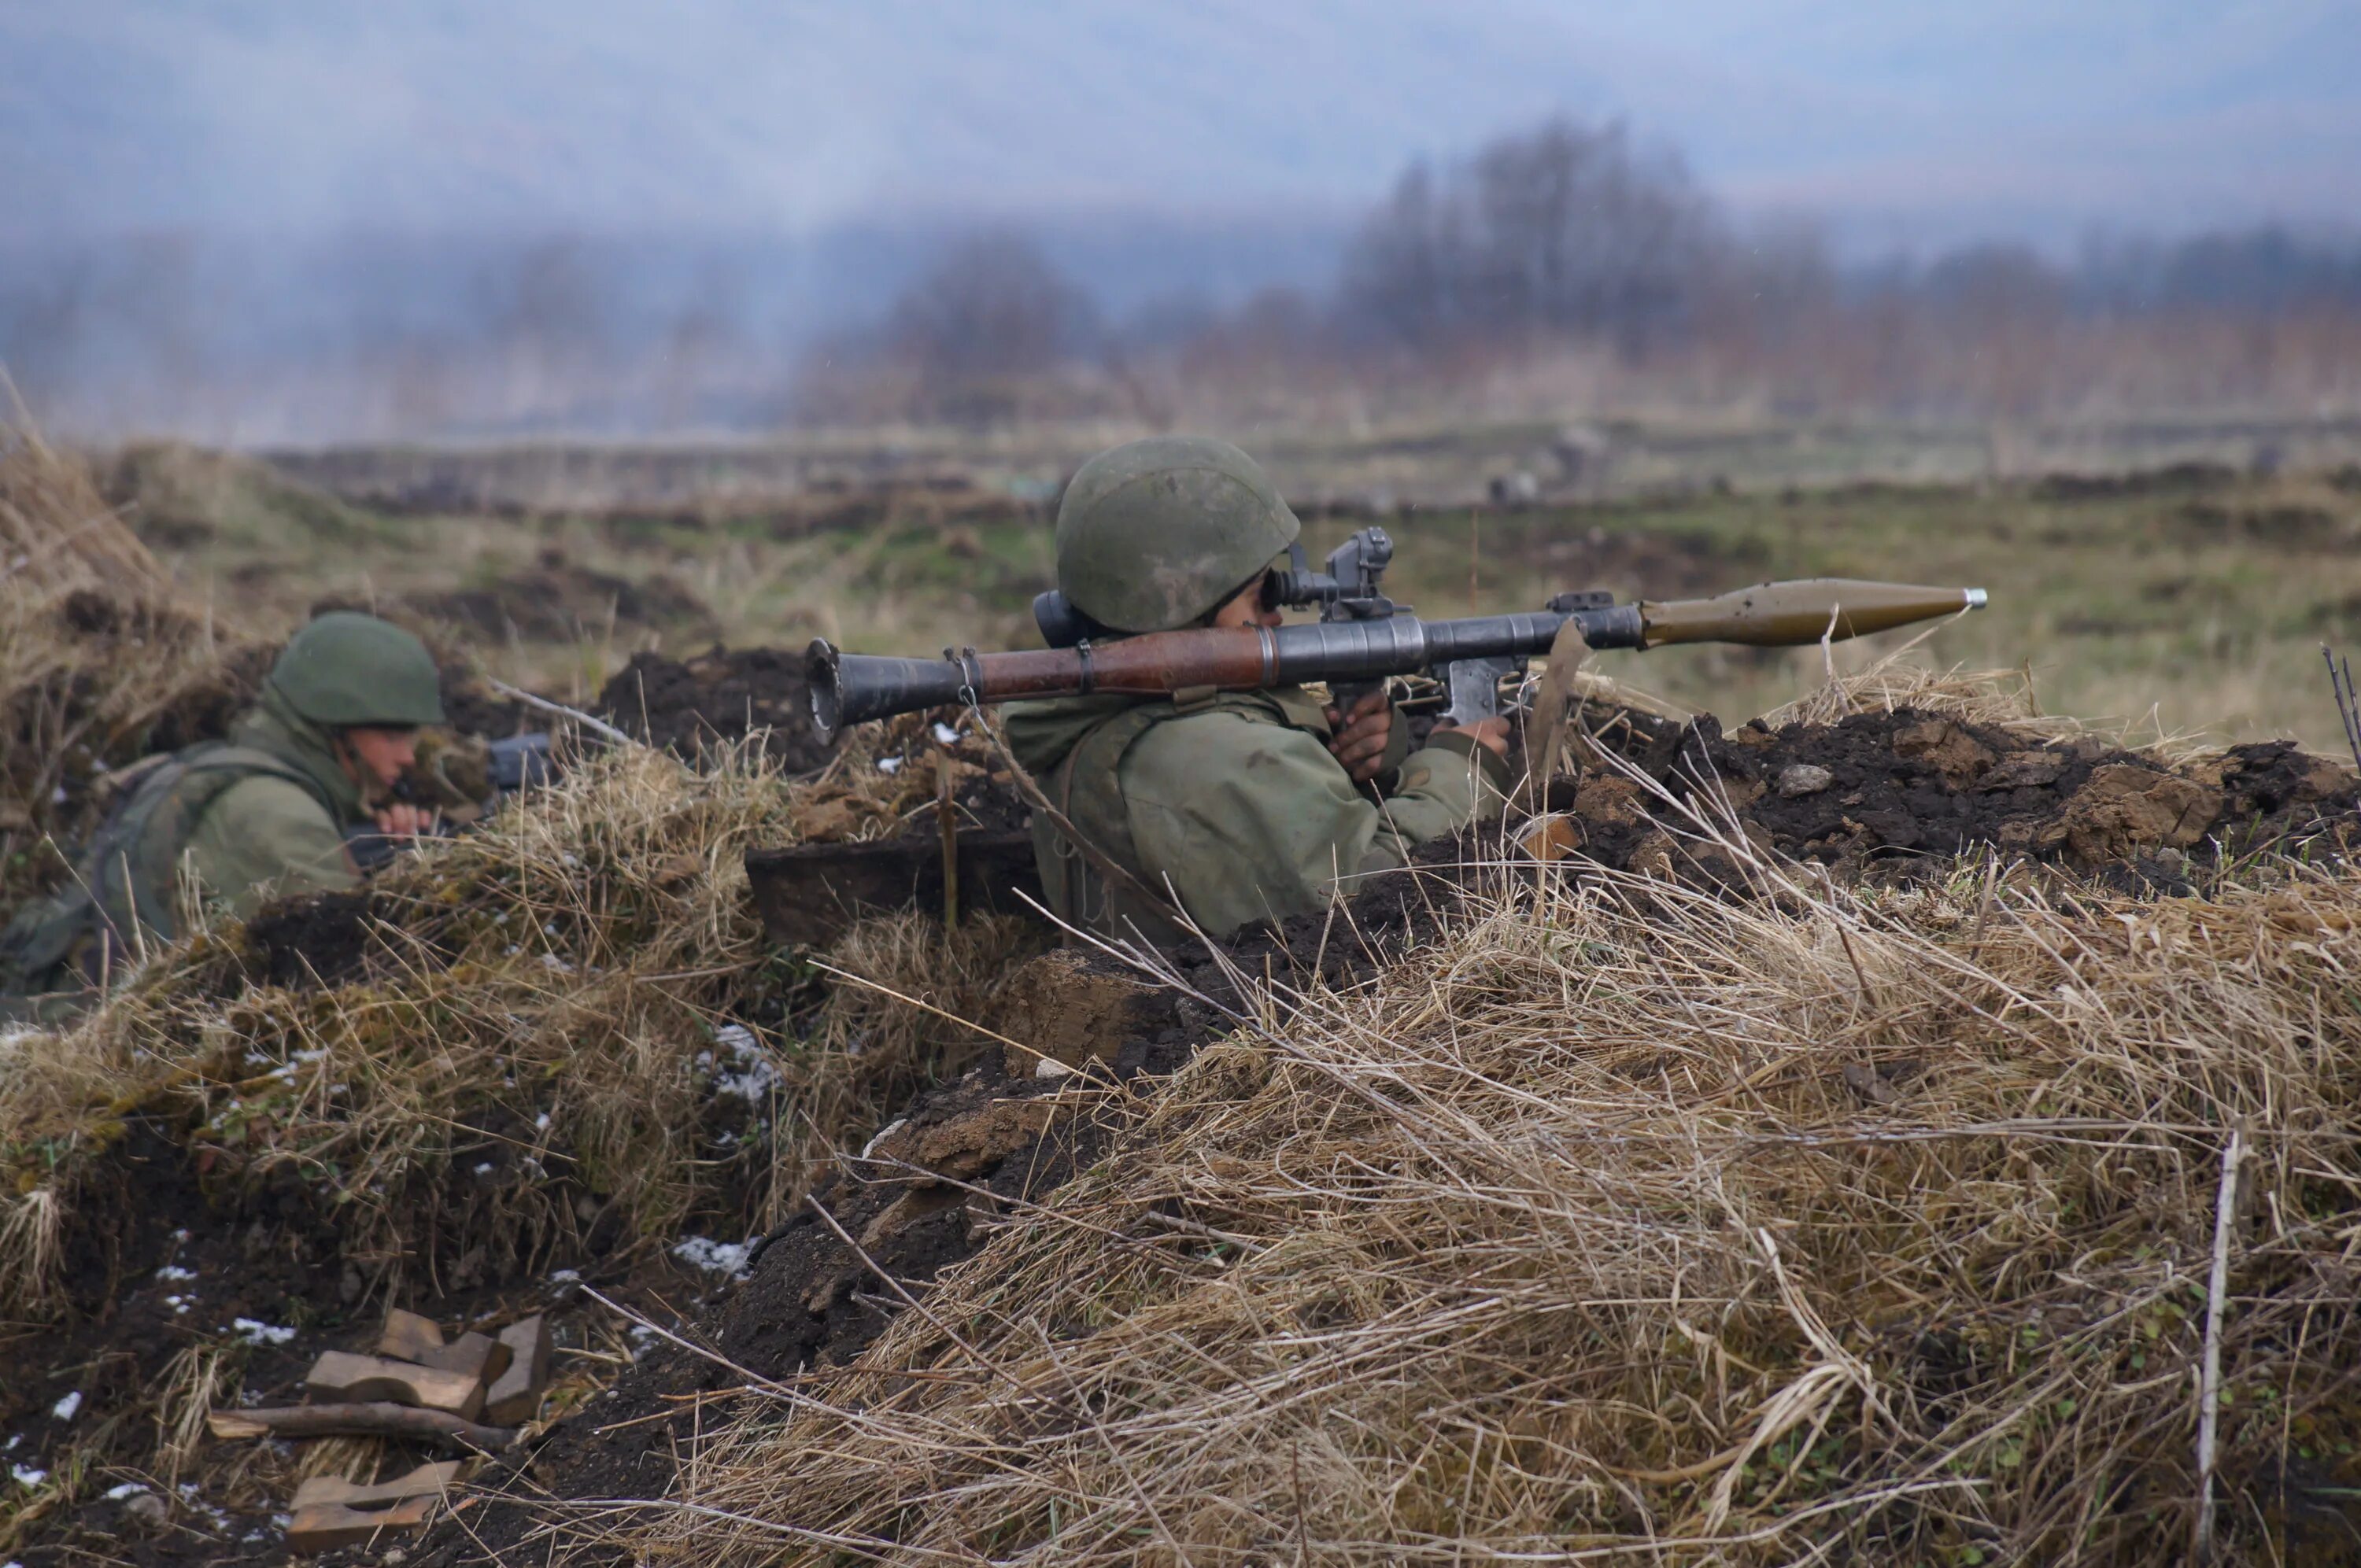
99,648
572,1036
1624,1223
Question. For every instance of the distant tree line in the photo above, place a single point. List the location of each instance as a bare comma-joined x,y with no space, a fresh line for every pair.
1566,268
1573,240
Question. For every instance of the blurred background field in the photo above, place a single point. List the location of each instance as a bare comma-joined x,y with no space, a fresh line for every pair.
579,336
2191,595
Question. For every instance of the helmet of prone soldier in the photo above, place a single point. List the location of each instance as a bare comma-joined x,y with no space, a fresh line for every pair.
348,669
1154,534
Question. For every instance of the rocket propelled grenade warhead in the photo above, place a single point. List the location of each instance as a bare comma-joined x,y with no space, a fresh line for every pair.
848,688
1796,614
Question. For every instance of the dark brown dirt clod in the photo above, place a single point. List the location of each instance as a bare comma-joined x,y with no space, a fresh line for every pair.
717,698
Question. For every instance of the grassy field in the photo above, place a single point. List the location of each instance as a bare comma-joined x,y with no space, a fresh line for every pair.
2184,601
1863,1219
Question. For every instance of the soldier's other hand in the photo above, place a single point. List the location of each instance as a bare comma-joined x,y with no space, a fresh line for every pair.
401,819
1360,739
1492,734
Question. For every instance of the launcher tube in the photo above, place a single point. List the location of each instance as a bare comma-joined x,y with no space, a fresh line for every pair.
852,688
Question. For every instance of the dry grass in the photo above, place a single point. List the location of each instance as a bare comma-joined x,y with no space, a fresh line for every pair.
1620,1221
1568,1238
573,1035
99,647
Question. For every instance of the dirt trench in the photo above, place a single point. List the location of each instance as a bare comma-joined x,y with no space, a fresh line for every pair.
1876,796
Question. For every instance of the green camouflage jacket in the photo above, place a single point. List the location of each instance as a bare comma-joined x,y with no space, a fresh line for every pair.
1233,803
260,815
267,836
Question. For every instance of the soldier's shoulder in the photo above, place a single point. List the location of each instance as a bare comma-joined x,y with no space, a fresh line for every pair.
263,802
1223,744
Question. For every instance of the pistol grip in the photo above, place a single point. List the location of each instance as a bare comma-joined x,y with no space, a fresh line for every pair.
1473,686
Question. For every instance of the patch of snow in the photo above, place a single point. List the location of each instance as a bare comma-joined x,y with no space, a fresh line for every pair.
180,1304
179,1236
253,1332
565,1277
485,1169
889,764
884,1133
173,1271
752,1084
10,1447
541,1121
26,1475
720,1258
128,1489
65,1410
755,1077
554,964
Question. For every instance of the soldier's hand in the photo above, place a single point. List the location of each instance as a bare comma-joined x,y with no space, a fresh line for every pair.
1360,737
1492,734
401,819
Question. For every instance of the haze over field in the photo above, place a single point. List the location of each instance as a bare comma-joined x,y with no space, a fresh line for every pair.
246,219
1911,123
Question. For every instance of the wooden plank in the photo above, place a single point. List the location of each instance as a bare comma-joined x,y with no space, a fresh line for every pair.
323,1527
806,893
515,1398
341,1377
426,1481
409,1337
475,1355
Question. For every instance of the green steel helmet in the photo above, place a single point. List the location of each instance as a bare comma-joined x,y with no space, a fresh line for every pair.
346,668
1153,535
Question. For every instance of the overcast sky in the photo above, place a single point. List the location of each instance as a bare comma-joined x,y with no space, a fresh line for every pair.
1898,121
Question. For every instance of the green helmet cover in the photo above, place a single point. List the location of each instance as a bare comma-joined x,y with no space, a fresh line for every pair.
1153,535
347,669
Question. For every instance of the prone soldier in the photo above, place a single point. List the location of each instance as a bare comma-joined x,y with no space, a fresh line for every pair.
265,812
1241,805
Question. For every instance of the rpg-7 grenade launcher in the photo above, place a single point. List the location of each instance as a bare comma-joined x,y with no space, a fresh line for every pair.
1361,637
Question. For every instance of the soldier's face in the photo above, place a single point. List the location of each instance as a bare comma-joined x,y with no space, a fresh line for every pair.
379,756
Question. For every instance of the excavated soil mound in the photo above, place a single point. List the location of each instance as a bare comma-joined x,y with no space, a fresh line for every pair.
1909,785
717,698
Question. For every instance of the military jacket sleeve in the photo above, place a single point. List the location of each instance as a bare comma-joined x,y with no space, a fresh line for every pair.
264,837
1251,818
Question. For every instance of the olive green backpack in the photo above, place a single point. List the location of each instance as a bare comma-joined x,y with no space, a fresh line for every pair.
128,878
